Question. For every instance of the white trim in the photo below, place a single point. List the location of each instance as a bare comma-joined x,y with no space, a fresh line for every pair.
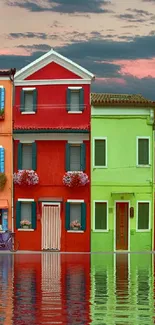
75,201
4,78
27,142
100,138
28,113
75,88
45,82
143,230
51,137
104,111
76,231
25,200
137,138
121,201
1,146
1,86
100,230
75,142
29,89
75,112
22,229
52,56
51,203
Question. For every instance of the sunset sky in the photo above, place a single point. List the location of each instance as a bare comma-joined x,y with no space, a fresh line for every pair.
114,39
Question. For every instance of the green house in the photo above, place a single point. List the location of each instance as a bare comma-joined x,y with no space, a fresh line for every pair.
122,173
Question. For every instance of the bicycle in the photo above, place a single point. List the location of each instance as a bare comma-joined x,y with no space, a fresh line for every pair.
8,241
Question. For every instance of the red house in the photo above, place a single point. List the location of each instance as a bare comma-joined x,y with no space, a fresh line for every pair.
52,155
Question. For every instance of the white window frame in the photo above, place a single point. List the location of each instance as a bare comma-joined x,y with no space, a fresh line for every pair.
75,112
106,158
143,230
27,90
100,230
142,137
24,201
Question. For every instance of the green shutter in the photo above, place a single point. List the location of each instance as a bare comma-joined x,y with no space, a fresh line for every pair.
81,99
35,100
83,216
18,214
68,100
2,100
143,151
34,216
83,157
67,156
100,152
19,155
34,156
22,101
67,216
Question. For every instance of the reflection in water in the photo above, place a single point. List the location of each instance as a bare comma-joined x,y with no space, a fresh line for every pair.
78,289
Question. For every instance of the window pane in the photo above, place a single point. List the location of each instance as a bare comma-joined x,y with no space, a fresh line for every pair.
26,156
75,212
28,101
100,154
75,157
101,215
143,215
143,151
75,101
26,211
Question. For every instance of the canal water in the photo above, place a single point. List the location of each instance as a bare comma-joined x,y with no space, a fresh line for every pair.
77,289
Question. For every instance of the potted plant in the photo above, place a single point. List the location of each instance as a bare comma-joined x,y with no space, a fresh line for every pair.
2,114
26,177
25,224
2,180
75,179
75,225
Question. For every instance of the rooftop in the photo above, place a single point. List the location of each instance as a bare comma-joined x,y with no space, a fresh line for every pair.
8,72
102,99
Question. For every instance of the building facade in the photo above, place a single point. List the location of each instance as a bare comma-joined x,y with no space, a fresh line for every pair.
6,149
51,143
122,173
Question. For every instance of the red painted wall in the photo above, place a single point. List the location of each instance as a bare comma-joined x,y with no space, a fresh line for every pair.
53,71
51,168
51,110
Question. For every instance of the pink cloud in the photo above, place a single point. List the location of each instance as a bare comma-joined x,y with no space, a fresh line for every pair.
140,68
15,51
119,81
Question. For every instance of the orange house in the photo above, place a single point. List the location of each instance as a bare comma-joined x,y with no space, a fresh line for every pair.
6,148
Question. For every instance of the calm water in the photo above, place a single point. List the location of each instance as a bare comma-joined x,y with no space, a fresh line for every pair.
77,289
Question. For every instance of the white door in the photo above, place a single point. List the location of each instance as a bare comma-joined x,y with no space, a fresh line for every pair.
51,227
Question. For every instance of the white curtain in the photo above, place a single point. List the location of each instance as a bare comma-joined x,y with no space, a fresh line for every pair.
51,227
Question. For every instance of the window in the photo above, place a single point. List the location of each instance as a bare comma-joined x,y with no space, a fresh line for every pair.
27,155
2,101
75,99
143,215
101,215
26,210
100,159
28,100
143,151
2,160
75,216
75,157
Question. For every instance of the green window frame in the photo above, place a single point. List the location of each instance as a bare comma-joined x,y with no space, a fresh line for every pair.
24,92
100,152
33,213
82,156
83,215
34,155
70,91
143,215
143,151
100,222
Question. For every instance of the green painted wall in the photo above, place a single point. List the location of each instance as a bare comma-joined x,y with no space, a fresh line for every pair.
121,175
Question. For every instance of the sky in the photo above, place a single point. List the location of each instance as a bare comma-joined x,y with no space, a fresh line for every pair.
113,39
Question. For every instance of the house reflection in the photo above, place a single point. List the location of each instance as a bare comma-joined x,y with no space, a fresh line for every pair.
6,289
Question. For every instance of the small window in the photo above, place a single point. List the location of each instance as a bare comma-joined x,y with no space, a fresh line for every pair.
26,214
100,153
100,216
75,101
143,151
28,101
75,158
143,215
75,216
26,156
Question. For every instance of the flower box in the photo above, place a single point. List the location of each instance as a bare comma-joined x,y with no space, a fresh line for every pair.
25,224
75,225
75,179
2,114
26,177
3,180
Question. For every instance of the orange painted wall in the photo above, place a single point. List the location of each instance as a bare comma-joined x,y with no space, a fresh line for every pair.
6,142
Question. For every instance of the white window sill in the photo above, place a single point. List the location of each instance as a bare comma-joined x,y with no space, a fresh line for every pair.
74,112
28,113
143,230
100,230
99,167
22,229
75,231
143,166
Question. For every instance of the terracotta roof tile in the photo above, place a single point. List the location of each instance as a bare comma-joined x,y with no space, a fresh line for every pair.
87,127
123,99
7,72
